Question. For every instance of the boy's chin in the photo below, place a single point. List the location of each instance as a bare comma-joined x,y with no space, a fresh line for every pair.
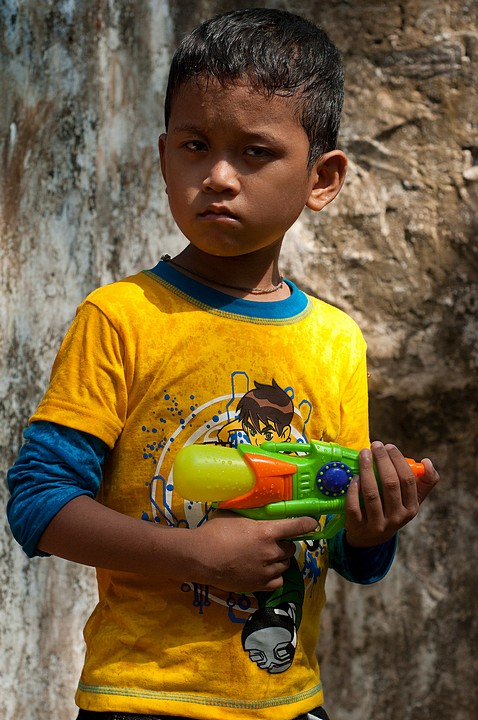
233,249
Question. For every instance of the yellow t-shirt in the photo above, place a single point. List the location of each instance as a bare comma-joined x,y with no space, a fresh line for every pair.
155,362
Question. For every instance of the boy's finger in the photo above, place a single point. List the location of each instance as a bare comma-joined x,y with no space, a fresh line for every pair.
407,481
352,500
288,548
427,482
397,480
369,487
279,566
294,527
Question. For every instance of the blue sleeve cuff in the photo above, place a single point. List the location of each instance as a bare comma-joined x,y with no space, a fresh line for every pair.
361,565
55,465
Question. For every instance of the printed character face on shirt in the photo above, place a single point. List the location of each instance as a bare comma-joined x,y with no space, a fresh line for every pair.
266,432
271,649
266,413
235,163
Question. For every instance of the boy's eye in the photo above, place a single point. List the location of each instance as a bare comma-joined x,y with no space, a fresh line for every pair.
268,436
258,152
195,145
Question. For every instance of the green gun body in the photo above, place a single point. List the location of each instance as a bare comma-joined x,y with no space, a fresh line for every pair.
272,481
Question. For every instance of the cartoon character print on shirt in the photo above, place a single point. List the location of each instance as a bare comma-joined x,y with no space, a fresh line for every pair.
265,412
270,633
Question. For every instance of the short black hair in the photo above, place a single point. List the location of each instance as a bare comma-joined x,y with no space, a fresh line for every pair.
278,53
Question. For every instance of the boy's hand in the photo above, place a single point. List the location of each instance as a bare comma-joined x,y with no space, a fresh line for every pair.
380,517
237,554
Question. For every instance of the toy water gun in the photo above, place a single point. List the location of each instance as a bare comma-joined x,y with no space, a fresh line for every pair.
273,480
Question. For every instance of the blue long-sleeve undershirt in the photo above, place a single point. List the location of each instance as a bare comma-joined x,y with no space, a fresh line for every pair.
57,464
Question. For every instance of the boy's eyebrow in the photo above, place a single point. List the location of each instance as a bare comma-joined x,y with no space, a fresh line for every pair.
258,136
186,128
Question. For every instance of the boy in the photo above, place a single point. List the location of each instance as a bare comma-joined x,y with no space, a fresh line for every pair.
207,615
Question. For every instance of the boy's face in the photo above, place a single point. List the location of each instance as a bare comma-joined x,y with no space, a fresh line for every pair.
235,167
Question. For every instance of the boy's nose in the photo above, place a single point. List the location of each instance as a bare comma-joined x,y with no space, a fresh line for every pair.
222,176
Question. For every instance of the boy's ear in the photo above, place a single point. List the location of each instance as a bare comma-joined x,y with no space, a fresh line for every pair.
162,149
328,174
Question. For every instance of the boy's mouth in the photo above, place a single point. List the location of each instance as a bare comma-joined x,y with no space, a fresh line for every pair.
217,212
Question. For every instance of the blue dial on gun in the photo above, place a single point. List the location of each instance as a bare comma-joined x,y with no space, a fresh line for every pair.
334,478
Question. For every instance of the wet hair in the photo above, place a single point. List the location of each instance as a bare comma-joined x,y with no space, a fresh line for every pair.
267,403
277,53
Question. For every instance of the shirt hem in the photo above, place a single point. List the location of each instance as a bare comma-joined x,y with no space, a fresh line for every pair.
101,697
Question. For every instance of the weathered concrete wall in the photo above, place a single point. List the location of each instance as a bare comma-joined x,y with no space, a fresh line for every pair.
81,88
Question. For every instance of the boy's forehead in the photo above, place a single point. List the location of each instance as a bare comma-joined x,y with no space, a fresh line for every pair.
207,94
205,83
205,86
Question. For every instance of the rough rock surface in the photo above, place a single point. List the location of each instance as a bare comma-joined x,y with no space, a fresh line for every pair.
81,87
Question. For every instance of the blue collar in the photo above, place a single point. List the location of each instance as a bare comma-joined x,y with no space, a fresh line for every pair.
291,309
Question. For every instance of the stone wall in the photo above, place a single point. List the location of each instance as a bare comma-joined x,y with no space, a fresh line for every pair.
81,87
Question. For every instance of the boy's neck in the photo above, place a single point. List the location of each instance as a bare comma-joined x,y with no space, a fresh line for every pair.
254,276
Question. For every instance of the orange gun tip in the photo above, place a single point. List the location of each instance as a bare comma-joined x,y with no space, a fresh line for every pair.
417,467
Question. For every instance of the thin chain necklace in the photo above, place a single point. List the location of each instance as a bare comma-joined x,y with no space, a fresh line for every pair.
251,291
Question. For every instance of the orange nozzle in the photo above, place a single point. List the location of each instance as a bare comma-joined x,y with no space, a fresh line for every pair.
417,467
273,483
